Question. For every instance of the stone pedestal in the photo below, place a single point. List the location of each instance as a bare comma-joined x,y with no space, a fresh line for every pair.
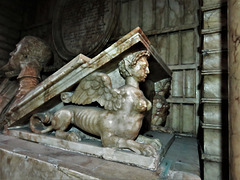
94,148
20,159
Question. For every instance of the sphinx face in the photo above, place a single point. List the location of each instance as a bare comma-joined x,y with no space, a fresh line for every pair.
140,70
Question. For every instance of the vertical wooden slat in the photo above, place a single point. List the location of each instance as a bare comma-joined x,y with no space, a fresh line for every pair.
124,25
169,117
147,15
190,83
141,13
189,118
162,47
167,13
174,13
189,11
174,49
180,47
161,18
175,114
10,25
181,118
134,13
188,49
154,41
154,11
177,84
184,83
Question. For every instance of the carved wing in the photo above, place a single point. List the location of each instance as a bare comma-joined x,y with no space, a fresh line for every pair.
98,87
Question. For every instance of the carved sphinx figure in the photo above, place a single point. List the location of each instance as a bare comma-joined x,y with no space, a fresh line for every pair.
119,121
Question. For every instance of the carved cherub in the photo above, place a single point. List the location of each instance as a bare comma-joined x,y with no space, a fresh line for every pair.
160,106
119,122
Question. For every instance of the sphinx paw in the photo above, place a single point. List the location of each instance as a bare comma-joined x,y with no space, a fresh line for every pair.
148,150
156,143
73,137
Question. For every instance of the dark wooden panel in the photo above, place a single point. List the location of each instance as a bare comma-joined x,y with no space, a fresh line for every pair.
9,32
7,40
4,54
6,47
9,23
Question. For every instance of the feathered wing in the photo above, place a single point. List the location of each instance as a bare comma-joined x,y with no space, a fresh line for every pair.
98,87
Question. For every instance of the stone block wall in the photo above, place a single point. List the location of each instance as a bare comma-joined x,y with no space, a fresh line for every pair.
214,75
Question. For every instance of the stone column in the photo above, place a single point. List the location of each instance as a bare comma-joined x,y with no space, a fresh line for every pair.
234,87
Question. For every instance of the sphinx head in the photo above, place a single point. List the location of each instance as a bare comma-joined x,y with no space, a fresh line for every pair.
135,65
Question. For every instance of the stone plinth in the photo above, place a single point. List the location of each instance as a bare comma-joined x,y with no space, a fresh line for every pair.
94,148
22,159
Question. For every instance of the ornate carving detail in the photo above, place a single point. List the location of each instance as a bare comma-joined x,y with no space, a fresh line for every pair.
160,105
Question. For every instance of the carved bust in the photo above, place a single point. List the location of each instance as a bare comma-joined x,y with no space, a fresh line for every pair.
26,62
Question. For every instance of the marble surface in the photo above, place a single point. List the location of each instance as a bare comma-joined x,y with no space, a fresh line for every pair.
94,148
234,86
27,160
22,159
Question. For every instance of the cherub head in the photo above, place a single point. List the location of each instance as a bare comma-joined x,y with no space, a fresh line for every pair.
135,65
28,49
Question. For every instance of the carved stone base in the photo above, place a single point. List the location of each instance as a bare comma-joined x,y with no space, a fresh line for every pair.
94,148
20,159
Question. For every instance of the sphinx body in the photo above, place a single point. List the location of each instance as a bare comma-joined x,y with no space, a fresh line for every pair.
119,121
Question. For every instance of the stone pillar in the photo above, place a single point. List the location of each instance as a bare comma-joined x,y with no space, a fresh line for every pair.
234,87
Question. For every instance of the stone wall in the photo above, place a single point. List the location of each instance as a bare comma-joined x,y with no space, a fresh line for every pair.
214,87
